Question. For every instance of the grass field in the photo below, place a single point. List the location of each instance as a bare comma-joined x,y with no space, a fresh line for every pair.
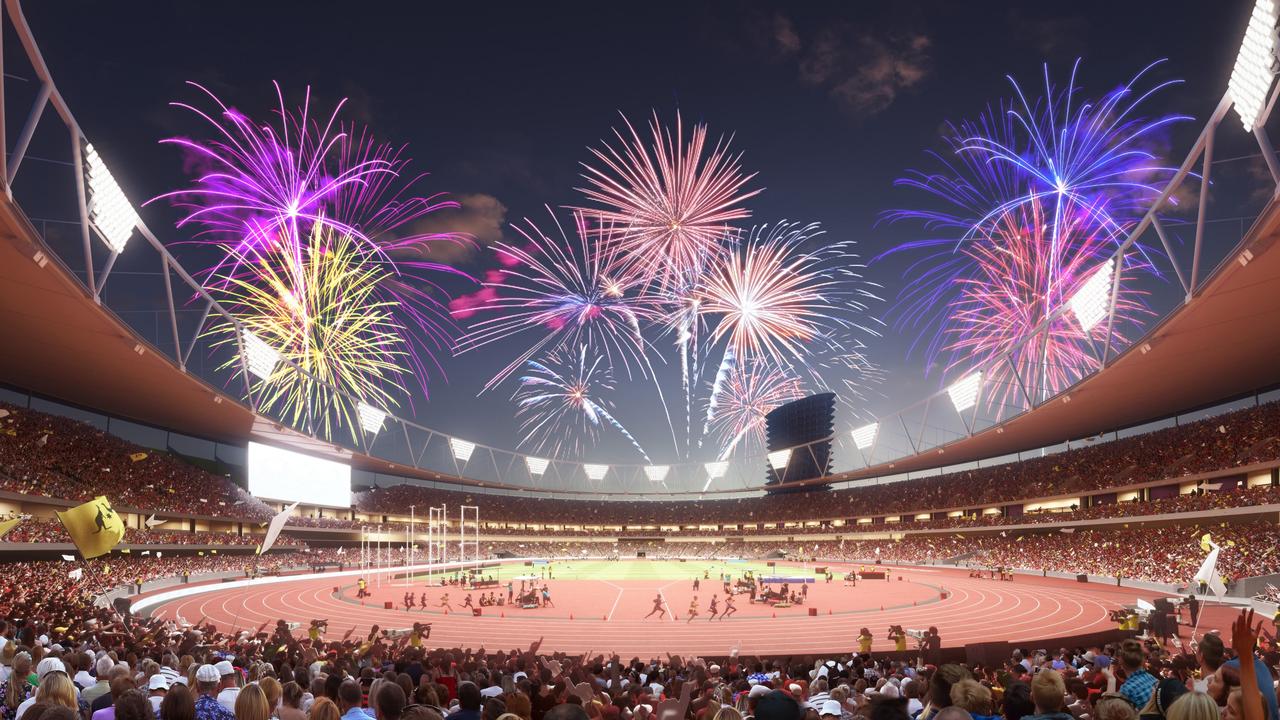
664,570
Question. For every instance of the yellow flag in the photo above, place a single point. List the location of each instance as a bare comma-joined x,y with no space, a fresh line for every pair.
138,457
1204,542
94,527
8,525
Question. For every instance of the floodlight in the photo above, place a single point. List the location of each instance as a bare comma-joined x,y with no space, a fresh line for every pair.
109,209
536,466
964,392
595,472
779,459
864,436
461,449
371,418
1255,65
656,473
717,470
261,357
1092,300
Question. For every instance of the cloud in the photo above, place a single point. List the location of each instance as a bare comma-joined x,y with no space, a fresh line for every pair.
480,217
861,72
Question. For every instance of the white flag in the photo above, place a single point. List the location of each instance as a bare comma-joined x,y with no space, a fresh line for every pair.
342,551
69,558
273,530
76,574
1208,572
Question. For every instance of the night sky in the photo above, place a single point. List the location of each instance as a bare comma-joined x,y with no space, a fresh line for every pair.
828,102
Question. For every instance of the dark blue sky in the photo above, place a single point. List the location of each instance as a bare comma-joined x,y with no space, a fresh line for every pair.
828,102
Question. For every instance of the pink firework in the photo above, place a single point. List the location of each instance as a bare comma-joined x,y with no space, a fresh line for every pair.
1021,276
560,292
749,393
778,294
674,203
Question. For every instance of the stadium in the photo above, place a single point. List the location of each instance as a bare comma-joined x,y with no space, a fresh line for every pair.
288,431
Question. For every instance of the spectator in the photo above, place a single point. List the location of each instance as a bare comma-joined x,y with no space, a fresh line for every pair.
251,704
177,704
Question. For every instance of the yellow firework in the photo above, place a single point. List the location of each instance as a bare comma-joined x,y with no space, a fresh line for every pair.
323,305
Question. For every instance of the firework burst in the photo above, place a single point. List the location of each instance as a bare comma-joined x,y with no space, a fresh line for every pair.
308,201
1088,170
564,293
749,393
1004,300
673,203
561,403
330,317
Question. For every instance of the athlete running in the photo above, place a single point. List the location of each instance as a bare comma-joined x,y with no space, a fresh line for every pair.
444,602
729,607
659,608
712,610
693,609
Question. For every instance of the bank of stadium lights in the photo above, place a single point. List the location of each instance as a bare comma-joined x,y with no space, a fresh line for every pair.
964,392
778,459
865,436
1093,299
536,466
260,356
656,473
1255,66
371,418
109,209
462,449
595,473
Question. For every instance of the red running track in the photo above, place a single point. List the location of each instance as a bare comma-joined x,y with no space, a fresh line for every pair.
606,615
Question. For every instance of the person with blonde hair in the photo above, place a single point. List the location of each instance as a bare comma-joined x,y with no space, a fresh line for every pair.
324,709
251,704
271,688
727,713
974,697
1114,706
15,689
1193,706
56,688
1048,693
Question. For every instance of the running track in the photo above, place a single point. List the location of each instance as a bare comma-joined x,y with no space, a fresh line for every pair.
605,615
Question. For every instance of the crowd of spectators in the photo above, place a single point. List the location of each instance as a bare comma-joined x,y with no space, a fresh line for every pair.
43,530
101,665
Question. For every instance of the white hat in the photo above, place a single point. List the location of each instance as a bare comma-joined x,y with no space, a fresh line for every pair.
758,691
158,682
794,688
491,691
713,669
832,707
518,676
180,680
224,667
56,647
207,673
42,640
48,665
890,690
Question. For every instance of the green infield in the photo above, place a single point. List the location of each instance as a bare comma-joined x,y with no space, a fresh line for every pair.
640,569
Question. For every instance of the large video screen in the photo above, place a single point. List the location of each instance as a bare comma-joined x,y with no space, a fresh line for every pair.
276,474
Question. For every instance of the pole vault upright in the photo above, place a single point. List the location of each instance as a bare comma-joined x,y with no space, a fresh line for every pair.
469,549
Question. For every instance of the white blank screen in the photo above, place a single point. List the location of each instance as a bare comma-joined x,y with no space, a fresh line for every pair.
276,474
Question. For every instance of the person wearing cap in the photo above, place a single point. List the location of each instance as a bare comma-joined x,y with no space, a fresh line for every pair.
228,685
157,687
831,709
207,705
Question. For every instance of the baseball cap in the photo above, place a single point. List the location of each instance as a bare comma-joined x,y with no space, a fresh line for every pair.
759,691
48,665
158,682
207,673
225,668
831,707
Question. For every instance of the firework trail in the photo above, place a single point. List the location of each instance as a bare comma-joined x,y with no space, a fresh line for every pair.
560,403
1088,169
749,394
279,202
673,203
